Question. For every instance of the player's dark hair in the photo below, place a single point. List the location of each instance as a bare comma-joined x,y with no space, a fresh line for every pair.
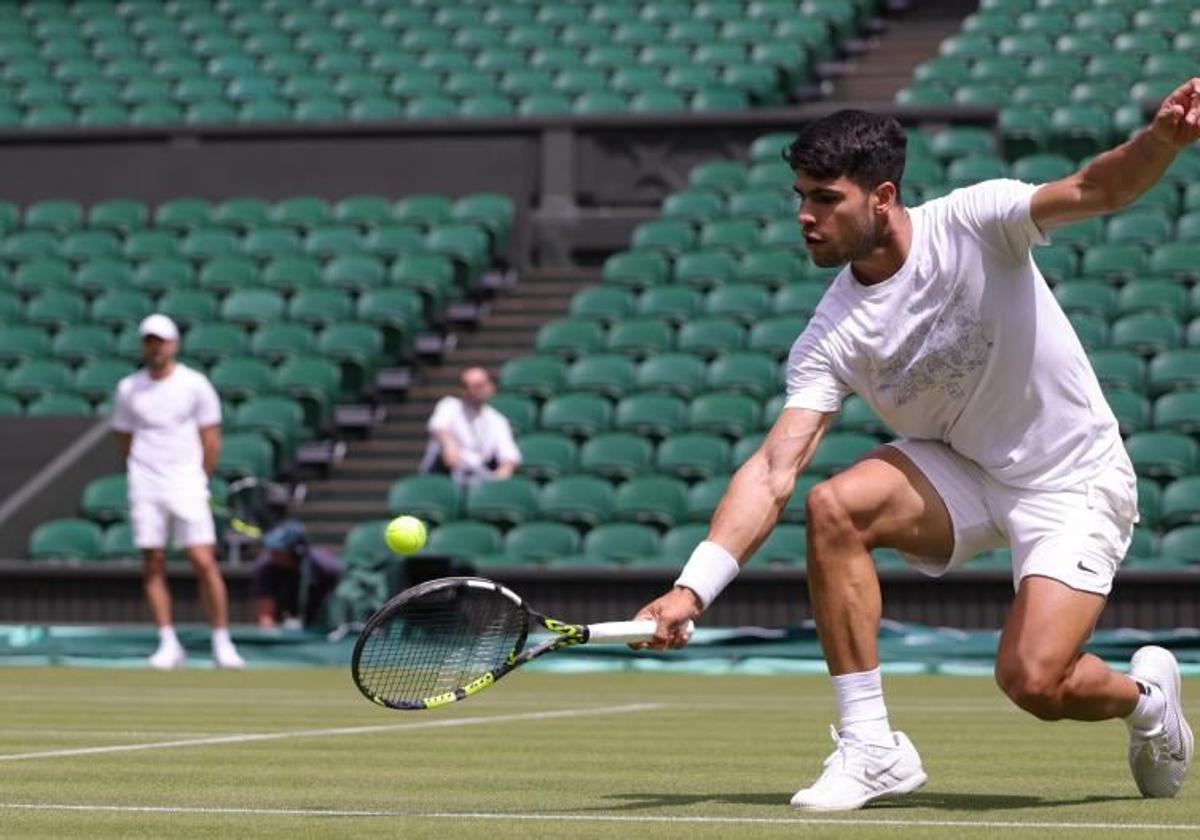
866,148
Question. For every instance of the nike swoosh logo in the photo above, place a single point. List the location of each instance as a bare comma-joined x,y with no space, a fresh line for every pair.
875,775
1084,568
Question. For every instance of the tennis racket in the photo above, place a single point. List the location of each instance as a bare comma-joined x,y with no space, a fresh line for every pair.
448,639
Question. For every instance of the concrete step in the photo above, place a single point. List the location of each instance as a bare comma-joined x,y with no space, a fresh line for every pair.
341,509
380,468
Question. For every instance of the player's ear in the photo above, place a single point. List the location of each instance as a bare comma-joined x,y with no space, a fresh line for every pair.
886,197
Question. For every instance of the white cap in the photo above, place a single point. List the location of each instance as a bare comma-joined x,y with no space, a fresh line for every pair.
159,325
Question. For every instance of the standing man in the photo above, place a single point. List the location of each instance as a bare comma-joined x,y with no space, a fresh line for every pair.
469,439
167,418
942,322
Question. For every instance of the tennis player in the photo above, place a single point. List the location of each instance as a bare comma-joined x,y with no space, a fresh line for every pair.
167,419
942,322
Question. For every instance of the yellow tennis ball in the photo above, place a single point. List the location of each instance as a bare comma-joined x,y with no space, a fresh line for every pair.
405,534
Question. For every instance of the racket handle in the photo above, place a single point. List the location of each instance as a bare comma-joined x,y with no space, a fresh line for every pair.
625,632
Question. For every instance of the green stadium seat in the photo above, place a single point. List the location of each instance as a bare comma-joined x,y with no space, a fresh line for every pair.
33,377
96,379
1131,409
239,378
671,236
963,141
106,499
162,274
694,205
545,457
246,213
1042,168
755,374
654,415
118,307
680,374
357,348
743,302
636,269
463,540
608,375
678,543
774,337
318,307
738,234
973,169
578,500
65,539
10,406
724,176
786,546
769,147
1139,227
692,456
675,303
365,542
57,215
205,244
189,307
1147,334
253,308
705,269
652,499
1181,503
606,304
124,215
730,414
506,502
301,212
315,382
396,312
1162,297
1183,544
858,416
521,412
1090,297
1149,501
279,419
1178,412
536,376
42,274
709,337
621,542
616,455
703,498
102,275
20,342
774,268
73,344
640,338
576,415
246,455
1177,259
59,405
1162,454
570,338
56,309
1092,331
541,542
435,498
1080,130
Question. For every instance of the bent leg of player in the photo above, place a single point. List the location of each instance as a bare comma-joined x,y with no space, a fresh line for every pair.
149,521
884,500
1066,549
194,529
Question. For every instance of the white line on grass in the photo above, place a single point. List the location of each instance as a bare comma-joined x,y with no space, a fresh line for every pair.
341,730
610,818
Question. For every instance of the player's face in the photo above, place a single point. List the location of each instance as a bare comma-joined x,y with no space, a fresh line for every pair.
837,220
157,353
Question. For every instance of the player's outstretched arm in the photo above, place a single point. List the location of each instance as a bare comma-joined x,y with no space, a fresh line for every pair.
1117,177
744,518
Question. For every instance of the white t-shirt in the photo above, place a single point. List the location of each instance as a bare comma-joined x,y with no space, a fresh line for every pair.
166,460
481,435
965,344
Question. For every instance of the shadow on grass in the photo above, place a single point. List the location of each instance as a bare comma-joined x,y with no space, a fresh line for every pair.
920,799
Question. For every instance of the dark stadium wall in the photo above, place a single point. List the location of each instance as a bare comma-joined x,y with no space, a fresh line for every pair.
28,446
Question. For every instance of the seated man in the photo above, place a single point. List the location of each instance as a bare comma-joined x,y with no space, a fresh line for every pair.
470,440
291,578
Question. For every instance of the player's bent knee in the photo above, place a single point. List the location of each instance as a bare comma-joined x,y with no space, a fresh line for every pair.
827,516
1037,691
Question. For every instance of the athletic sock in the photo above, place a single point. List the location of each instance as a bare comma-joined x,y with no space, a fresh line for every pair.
166,636
1148,713
861,708
220,637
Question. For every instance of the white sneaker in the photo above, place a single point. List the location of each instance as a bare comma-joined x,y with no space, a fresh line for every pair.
1160,758
857,773
170,655
226,656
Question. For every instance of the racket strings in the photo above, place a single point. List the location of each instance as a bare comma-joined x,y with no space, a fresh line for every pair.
440,642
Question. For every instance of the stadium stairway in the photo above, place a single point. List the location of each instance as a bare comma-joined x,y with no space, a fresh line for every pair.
877,73
357,489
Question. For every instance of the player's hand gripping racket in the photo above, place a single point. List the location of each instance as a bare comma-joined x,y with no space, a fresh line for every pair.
444,640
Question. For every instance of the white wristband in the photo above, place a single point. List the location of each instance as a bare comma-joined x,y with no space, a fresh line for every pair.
708,571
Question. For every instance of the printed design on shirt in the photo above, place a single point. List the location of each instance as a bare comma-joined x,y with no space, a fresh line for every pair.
940,352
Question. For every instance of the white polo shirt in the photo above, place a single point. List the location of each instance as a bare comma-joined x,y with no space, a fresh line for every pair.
965,344
166,460
481,435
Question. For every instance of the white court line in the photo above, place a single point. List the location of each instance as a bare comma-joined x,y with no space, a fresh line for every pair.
341,730
797,820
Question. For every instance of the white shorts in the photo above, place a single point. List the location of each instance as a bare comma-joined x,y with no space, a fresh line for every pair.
188,523
1077,536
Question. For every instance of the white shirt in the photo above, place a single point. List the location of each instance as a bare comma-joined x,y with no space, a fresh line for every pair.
965,344
481,435
166,460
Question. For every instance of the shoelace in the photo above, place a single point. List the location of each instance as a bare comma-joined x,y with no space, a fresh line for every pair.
847,749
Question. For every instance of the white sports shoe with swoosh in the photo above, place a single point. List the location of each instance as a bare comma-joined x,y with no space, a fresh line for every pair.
857,773
1160,759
